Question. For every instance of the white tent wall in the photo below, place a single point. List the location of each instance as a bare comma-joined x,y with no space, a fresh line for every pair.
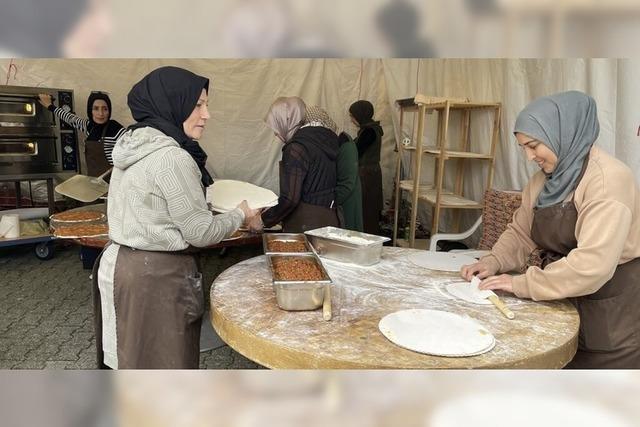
240,146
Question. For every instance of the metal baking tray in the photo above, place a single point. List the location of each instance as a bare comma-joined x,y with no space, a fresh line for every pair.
297,295
284,237
347,245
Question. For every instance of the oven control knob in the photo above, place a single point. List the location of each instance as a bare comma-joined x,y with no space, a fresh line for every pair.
68,149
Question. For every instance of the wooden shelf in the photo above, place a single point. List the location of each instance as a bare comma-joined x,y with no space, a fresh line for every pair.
447,199
452,154
441,150
418,243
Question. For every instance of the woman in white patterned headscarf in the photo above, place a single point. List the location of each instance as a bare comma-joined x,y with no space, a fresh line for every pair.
583,210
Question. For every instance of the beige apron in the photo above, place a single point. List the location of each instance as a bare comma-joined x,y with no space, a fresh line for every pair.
159,303
609,334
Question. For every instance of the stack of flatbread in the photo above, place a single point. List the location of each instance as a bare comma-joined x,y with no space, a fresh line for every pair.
225,194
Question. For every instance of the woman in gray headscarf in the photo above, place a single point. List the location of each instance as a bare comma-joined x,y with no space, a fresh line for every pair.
307,171
583,211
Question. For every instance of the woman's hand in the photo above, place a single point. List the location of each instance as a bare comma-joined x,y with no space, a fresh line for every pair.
503,282
255,225
247,211
45,99
479,269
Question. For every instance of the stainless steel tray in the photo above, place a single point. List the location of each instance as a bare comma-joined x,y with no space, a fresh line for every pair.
284,237
347,245
296,295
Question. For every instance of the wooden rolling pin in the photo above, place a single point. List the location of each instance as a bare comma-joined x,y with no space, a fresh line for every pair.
326,305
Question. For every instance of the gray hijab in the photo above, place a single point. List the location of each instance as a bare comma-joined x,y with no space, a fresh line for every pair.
567,123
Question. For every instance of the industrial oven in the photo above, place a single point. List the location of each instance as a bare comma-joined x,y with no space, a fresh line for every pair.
32,140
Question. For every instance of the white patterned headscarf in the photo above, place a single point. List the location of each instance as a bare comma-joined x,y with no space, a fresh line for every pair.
285,116
567,123
317,116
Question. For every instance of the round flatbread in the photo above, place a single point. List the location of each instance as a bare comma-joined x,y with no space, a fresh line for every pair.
225,195
81,231
435,332
78,216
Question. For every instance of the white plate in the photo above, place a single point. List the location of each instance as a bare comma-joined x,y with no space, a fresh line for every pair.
81,237
225,194
232,237
435,332
441,261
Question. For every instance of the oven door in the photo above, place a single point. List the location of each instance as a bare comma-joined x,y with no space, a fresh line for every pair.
23,110
24,155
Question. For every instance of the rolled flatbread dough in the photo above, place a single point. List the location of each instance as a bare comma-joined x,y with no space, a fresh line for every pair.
468,292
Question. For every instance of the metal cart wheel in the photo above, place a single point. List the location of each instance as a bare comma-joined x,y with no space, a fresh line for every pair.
44,250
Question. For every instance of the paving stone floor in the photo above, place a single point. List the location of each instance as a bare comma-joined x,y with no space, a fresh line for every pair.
46,313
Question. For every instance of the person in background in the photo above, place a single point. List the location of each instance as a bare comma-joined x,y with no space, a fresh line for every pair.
583,209
348,194
307,171
369,144
148,294
101,131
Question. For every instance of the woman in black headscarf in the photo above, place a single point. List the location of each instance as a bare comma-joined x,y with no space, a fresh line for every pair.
102,132
369,143
151,301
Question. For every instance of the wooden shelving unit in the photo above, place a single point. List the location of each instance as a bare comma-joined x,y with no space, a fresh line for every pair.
436,195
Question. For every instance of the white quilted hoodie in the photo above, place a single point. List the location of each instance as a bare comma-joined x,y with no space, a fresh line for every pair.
156,200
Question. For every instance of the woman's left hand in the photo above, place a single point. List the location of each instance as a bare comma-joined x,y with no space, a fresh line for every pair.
503,282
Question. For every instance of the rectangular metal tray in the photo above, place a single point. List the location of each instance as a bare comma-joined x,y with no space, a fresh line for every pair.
296,295
347,245
286,237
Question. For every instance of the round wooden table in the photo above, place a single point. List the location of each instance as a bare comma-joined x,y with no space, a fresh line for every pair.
245,315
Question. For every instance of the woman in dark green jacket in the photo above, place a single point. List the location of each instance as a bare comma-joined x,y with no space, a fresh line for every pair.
348,190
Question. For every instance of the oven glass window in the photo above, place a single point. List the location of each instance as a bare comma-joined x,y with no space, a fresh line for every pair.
18,108
27,148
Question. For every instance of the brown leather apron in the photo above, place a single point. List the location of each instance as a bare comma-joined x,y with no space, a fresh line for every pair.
159,303
609,334
97,162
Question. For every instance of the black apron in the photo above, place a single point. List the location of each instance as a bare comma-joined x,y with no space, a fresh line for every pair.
609,336
309,217
97,162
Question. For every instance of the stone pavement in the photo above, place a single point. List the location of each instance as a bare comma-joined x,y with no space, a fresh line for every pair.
46,319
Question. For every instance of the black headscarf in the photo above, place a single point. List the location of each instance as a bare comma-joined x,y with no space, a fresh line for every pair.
163,100
362,111
96,130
